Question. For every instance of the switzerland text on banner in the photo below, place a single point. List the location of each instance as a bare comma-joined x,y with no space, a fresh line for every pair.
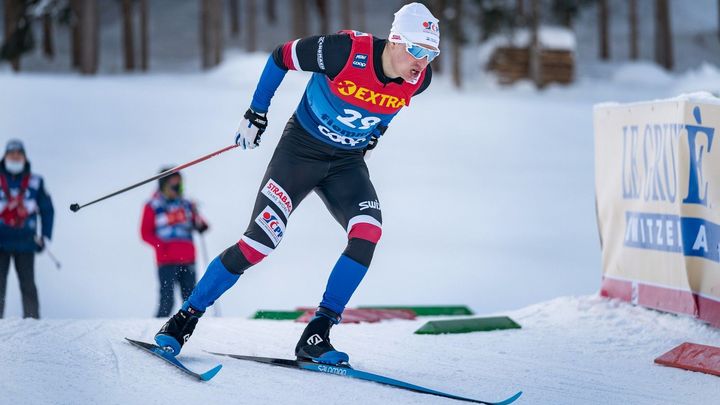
657,184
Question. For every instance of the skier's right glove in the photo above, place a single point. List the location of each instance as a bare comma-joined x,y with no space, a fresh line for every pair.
374,139
251,128
371,145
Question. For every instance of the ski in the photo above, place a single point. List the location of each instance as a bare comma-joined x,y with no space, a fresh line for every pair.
159,352
348,371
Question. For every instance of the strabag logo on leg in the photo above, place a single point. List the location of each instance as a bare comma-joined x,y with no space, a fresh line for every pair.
271,224
277,195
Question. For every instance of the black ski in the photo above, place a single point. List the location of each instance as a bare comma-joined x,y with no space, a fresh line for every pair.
159,352
347,371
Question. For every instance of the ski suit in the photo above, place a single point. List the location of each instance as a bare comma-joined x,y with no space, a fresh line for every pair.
347,101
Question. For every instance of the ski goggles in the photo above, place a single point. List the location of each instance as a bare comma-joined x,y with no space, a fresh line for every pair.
415,50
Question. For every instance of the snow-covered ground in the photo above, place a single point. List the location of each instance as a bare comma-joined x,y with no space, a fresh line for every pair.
581,350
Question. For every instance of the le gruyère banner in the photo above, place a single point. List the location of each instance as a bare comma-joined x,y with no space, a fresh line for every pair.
657,184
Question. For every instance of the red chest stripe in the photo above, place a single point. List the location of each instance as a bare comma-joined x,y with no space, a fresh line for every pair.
358,84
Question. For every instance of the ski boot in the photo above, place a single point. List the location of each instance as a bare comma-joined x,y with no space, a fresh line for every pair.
314,344
177,330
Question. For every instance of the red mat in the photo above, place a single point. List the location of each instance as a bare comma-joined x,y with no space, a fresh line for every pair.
694,357
362,315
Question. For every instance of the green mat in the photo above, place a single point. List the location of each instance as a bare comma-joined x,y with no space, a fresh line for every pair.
278,315
467,325
429,310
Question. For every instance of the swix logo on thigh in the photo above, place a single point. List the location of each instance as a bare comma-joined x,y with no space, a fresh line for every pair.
276,194
369,204
271,224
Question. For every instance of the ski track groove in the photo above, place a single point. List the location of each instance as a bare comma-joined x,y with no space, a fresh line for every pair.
116,358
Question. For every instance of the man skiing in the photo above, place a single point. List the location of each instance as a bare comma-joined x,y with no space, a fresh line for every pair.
359,84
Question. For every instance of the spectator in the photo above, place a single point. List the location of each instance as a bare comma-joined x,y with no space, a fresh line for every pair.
22,198
167,224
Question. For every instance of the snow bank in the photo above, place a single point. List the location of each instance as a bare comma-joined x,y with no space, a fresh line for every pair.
571,350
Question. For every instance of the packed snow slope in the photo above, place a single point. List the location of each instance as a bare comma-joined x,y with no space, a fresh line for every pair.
582,350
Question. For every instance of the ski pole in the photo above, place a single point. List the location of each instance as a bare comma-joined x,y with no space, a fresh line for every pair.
76,207
43,241
53,258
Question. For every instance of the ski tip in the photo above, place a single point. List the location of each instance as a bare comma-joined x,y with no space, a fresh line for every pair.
206,376
509,400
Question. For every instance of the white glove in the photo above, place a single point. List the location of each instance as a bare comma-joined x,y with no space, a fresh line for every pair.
251,128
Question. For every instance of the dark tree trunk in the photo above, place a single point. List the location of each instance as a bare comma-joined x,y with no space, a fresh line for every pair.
270,11
438,10
88,32
144,35
663,35
299,18
234,17
48,42
13,11
217,31
633,20
128,43
211,43
206,45
75,35
251,15
322,6
520,8
457,38
604,29
536,73
345,15
204,37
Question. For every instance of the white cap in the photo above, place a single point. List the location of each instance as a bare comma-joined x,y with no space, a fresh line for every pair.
415,23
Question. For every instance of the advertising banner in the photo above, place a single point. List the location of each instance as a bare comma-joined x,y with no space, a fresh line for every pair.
657,184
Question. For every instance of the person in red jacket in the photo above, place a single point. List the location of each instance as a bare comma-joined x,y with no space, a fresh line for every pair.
167,224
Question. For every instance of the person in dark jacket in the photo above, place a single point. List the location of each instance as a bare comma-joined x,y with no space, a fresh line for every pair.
23,201
168,221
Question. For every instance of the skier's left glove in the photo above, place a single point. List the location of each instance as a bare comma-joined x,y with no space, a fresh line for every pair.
251,128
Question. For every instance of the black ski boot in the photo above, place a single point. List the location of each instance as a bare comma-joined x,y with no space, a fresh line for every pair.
314,344
178,329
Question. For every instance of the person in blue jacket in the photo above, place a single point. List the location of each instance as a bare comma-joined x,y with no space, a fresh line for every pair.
23,201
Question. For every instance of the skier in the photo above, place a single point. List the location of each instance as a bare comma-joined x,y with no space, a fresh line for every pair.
23,200
167,223
358,85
